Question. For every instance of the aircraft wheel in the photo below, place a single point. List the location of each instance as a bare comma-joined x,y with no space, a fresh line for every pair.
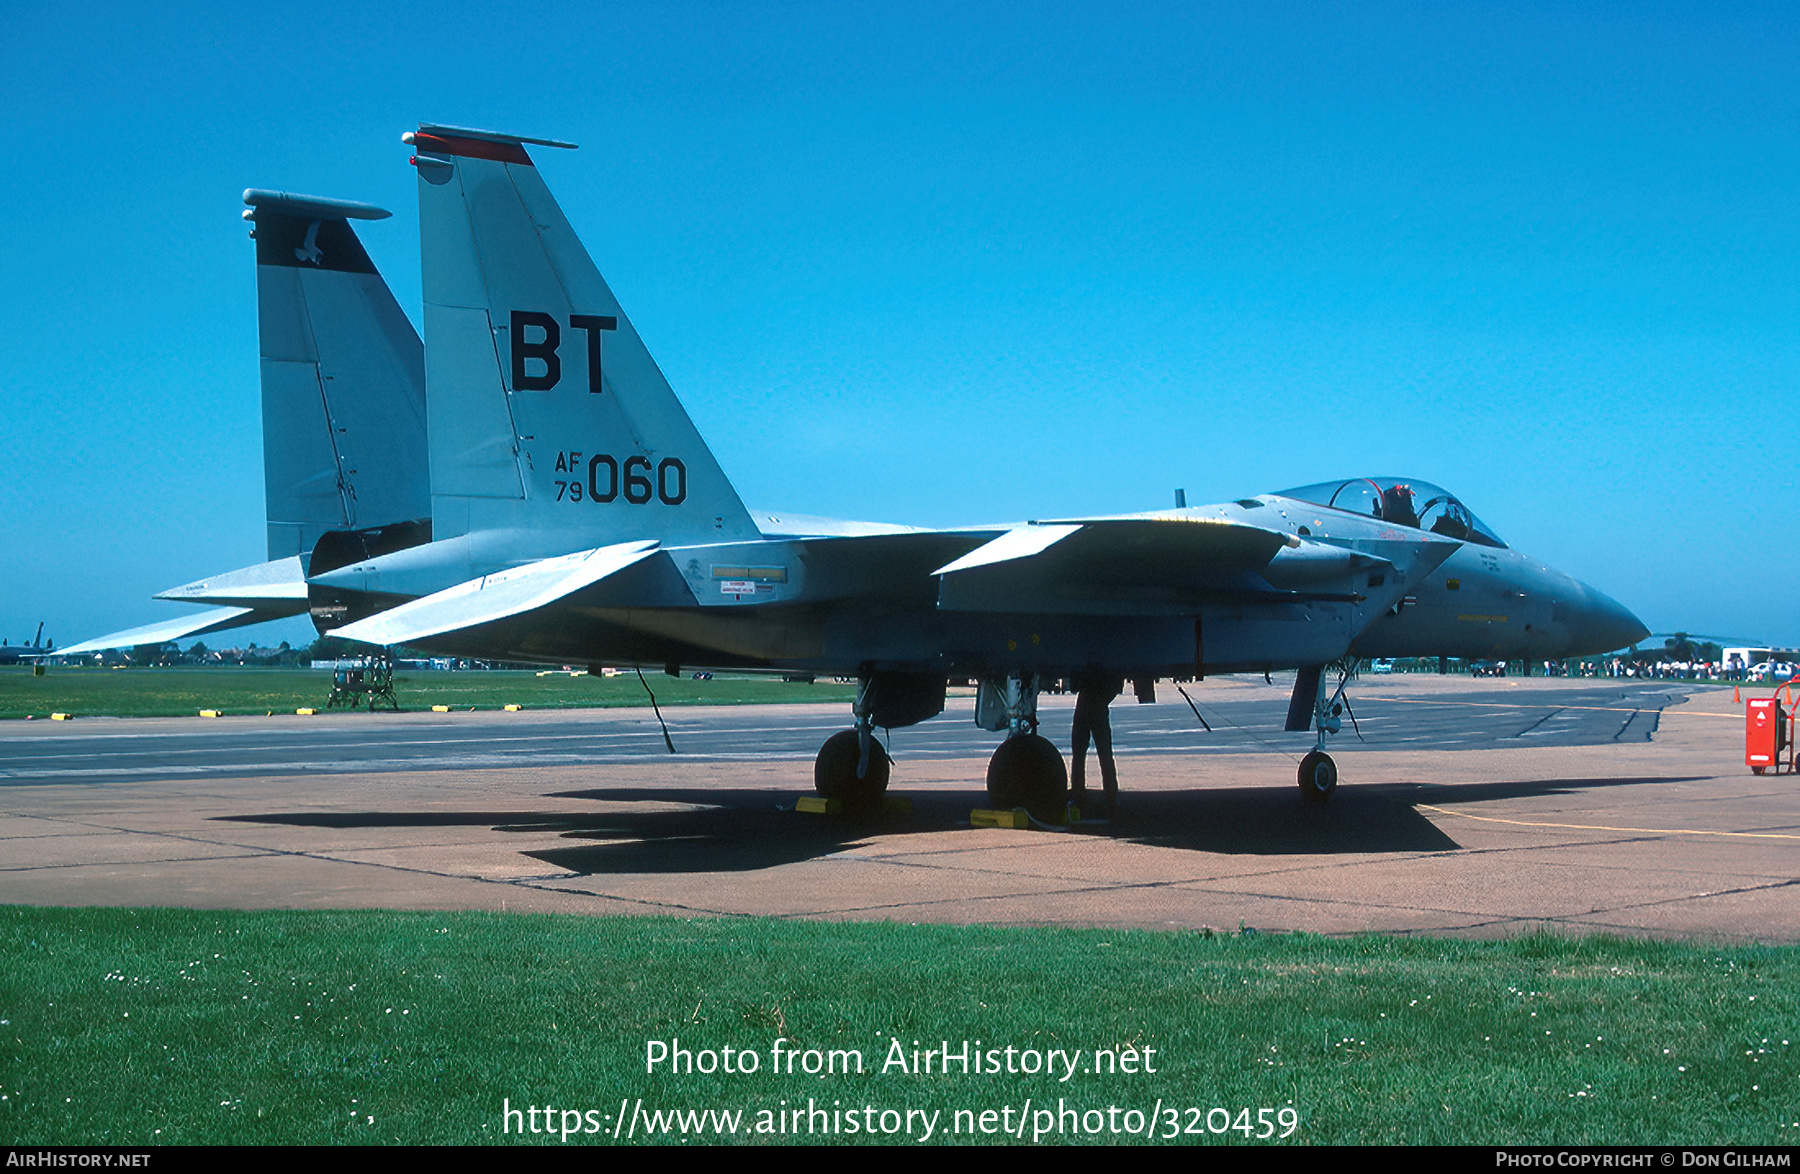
1318,776
1028,771
834,771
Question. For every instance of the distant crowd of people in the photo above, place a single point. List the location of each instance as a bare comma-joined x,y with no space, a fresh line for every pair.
1691,670
1732,669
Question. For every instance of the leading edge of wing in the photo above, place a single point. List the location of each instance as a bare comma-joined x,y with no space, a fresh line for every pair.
1099,543
1149,564
497,596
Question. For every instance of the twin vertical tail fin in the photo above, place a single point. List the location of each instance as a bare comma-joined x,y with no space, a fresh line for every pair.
548,417
343,397
343,377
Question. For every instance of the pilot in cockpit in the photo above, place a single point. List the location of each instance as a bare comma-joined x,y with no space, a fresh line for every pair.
1416,504
1397,506
1451,525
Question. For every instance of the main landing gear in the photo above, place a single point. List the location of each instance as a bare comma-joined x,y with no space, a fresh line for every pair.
1026,770
852,766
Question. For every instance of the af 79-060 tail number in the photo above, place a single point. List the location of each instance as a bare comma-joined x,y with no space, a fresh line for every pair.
608,479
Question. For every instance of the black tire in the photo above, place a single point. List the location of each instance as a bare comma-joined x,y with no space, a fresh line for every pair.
1028,771
1758,769
834,771
1318,777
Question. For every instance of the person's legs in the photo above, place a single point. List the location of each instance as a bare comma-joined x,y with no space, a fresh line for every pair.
1109,775
1079,732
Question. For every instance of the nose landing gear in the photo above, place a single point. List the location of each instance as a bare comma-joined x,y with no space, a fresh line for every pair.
1318,776
1318,772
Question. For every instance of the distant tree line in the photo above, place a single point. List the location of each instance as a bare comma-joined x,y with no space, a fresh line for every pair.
283,655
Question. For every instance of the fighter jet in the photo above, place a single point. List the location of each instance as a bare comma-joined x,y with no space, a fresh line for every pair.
578,517
36,650
343,400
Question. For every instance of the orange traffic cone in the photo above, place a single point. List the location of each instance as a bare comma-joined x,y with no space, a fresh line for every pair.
1735,700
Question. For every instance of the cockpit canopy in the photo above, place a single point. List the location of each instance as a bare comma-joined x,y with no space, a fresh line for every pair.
1401,502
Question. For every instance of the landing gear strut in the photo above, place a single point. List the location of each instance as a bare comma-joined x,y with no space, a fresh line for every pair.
852,766
1027,769
1318,773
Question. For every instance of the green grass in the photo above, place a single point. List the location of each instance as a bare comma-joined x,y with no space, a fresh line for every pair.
170,692
127,1027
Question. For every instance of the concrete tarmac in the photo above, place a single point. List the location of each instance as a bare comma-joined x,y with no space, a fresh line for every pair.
1473,808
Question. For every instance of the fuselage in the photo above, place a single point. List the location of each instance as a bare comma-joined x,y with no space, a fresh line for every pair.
853,600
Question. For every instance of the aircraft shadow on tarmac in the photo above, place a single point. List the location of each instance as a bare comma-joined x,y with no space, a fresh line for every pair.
749,830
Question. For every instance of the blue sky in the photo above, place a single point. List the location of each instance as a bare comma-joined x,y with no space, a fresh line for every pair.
949,263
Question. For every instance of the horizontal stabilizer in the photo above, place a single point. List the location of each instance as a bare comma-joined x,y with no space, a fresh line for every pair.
497,596
212,620
266,585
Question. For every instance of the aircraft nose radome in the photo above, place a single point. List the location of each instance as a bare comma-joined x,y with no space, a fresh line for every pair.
1606,625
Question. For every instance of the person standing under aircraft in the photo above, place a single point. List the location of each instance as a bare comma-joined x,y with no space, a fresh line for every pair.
1094,693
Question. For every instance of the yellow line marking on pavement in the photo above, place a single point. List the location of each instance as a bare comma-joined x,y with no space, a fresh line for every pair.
1586,827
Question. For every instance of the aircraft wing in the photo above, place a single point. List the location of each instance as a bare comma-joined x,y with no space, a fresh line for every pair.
216,619
496,597
1119,566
